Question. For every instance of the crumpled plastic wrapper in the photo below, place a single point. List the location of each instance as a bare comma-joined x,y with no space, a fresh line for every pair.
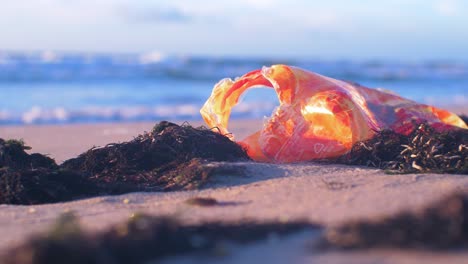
318,117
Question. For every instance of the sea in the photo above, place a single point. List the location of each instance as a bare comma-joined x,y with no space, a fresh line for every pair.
63,88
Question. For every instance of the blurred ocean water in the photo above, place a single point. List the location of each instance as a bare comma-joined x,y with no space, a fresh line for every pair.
47,87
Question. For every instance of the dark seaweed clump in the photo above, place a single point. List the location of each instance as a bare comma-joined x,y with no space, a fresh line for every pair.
35,178
140,240
14,156
169,157
423,150
442,225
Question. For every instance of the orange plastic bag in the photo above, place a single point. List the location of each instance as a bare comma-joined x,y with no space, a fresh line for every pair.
318,117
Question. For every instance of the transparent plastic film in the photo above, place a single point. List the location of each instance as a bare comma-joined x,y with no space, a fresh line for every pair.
318,117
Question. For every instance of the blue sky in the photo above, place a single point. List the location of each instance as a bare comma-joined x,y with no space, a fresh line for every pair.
365,29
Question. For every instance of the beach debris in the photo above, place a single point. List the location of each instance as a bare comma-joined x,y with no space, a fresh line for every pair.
441,225
170,157
43,185
318,117
173,157
35,178
141,239
13,155
423,150
202,201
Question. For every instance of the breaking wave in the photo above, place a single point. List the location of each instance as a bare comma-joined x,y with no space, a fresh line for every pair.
60,115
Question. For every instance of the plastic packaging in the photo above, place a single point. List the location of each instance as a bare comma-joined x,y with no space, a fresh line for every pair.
318,117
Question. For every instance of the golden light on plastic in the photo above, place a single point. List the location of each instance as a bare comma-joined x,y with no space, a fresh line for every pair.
318,117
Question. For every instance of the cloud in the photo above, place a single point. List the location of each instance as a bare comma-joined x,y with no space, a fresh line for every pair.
447,7
259,3
157,14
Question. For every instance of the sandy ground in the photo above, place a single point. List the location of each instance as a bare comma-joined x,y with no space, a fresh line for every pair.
325,194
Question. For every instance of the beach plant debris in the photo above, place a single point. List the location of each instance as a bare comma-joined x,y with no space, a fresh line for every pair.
35,178
141,239
423,150
441,225
13,155
170,157
202,201
43,185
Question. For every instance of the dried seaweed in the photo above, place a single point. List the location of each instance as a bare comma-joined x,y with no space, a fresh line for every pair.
141,239
35,178
43,185
423,150
167,158
202,201
14,156
170,157
441,225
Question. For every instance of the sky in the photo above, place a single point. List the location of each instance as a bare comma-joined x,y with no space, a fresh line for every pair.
330,29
